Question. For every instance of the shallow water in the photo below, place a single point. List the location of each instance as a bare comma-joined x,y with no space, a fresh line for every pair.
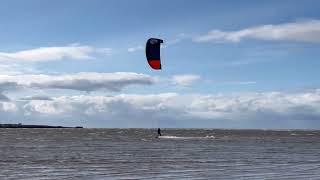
137,154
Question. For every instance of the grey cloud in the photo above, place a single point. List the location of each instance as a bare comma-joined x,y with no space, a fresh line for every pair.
80,81
4,98
41,98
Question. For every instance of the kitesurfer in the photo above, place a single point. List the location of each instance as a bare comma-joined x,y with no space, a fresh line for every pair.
159,132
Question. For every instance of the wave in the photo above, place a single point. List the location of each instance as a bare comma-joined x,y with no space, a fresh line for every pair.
183,137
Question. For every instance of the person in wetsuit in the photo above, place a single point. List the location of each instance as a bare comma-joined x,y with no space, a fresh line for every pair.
159,132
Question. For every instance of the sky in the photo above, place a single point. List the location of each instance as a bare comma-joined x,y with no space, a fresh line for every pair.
225,64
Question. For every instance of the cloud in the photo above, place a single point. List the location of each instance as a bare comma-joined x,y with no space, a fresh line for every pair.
73,51
4,98
8,85
86,81
136,48
303,31
40,98
7,107
185,80
299,31
259,110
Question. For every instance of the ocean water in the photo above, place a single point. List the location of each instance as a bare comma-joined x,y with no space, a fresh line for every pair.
180,154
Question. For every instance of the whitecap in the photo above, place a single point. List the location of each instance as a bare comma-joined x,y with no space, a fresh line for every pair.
184,137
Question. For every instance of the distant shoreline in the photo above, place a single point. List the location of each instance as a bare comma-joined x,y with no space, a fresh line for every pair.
32,126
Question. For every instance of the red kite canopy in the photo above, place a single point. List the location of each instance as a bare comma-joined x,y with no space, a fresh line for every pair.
153,53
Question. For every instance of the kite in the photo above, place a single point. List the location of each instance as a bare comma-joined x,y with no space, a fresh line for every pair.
153,53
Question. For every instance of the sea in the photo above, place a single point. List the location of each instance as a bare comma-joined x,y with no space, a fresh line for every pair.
102,154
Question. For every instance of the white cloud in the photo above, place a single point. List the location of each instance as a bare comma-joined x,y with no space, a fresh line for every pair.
86,81
136,48
8,107
185,80
303,31
73,51
269,109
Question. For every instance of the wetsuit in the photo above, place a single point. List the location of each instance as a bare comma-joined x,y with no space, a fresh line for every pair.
159,132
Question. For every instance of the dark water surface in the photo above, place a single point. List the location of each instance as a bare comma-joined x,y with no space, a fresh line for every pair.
137,154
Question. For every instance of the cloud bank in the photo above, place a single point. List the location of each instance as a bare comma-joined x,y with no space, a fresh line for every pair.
85,81
244,110
304,31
